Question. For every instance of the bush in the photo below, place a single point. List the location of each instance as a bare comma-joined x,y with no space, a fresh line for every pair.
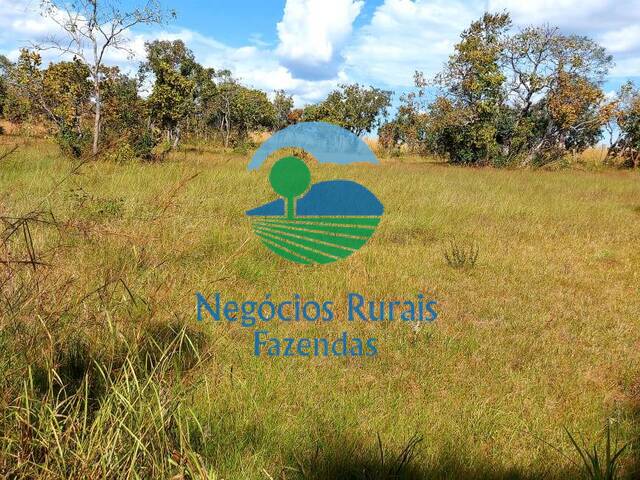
144,145
123,153
72,142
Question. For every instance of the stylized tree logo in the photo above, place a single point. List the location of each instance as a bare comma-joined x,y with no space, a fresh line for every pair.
290,177
322,222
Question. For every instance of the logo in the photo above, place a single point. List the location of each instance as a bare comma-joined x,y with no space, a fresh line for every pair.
322,222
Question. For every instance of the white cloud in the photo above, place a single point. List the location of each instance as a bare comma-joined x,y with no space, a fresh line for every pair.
255,64
577,15
312,33
408,35
405,36
21,22
318,47
613,23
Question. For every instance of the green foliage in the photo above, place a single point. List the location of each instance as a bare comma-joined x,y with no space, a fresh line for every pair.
59,96
410,127
126,134
464,122
71,141
121,153
5,69
66,92
236,110
357,108
504,99
23,87
172,98
283,107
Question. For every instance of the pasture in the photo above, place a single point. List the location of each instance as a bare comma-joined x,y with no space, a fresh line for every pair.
540,334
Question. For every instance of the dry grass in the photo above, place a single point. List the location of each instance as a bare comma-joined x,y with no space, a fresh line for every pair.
543,334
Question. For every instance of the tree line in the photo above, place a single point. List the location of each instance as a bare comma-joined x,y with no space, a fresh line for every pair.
185,100
503,98
522,98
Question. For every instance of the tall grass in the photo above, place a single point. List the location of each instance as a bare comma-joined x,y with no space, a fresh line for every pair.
139,426
600,466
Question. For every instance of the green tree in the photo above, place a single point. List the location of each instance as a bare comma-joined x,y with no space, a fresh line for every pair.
23,88
410,127
236,110
59,96
172,98
66,94
527,97
464,120
554,90
5,72
126,130
624,129
290,177
357,108
283,106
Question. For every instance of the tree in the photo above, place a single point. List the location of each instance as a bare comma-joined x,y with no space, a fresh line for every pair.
126,125
5,71
66,93
283,106
527,97
92,28
235,110
172,98
290,177
24,87
554,91
58,95
410,127
624,129
464,120
295,116
357,108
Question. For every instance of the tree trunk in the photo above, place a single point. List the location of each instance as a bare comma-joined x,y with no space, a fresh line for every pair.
96,118
176,138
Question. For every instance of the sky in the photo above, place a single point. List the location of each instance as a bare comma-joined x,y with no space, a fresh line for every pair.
308,47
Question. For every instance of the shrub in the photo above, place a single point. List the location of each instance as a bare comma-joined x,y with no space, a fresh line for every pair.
144,145
72,142
123,153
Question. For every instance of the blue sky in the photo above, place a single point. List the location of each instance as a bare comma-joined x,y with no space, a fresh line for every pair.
307,47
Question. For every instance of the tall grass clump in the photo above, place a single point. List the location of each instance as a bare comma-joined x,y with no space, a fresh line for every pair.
600,466
139,427
459,254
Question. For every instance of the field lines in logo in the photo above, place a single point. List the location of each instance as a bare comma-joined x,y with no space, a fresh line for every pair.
315,239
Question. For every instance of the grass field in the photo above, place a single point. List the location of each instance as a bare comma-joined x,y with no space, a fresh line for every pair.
542,334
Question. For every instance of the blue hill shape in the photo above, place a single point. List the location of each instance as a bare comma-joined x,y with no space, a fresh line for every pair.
331,198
